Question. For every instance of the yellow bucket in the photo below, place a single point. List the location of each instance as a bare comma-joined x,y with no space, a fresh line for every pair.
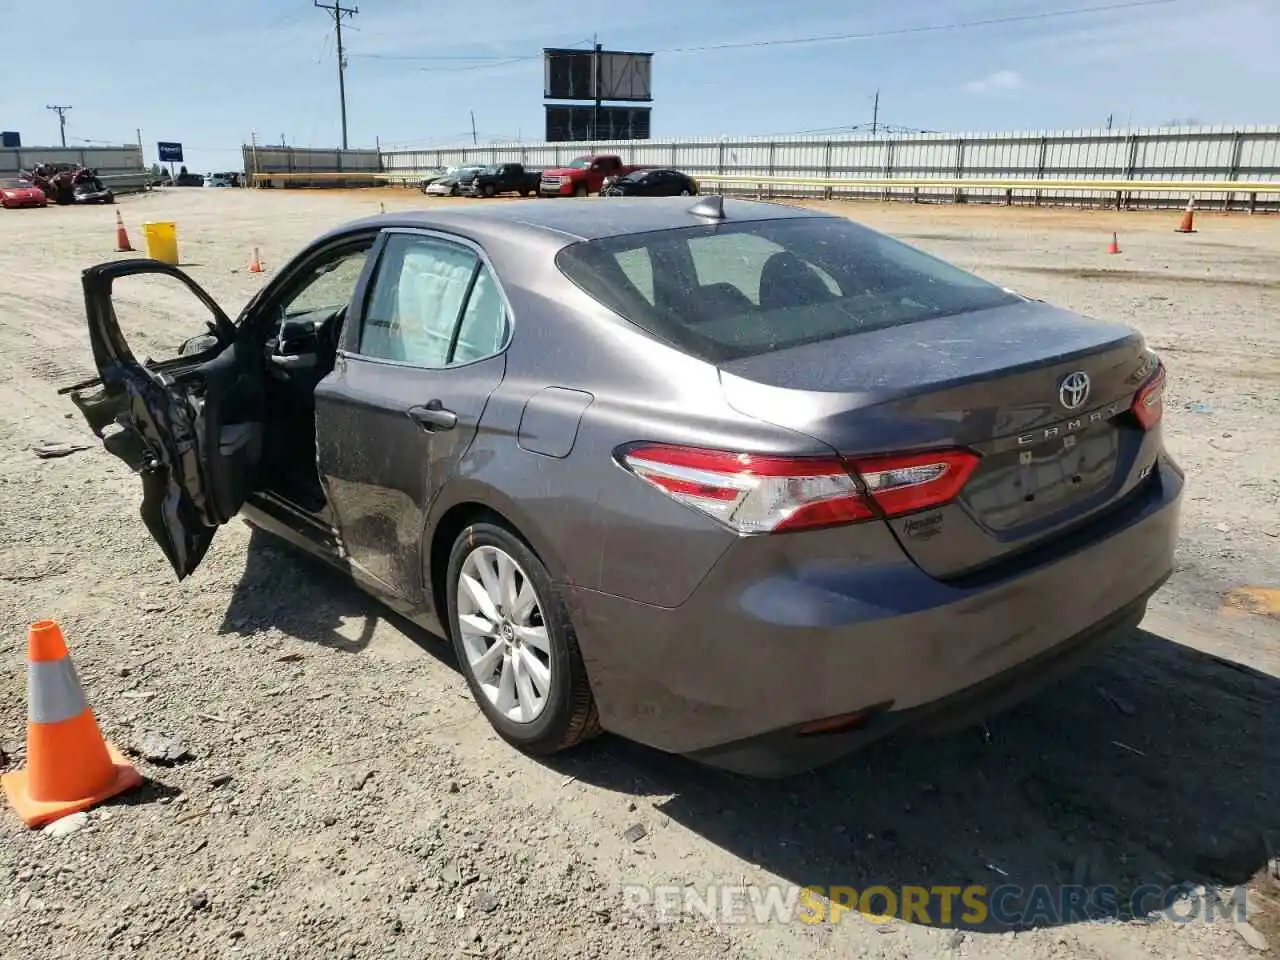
162,241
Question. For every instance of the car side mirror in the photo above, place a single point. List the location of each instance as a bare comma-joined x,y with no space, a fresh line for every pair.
198,344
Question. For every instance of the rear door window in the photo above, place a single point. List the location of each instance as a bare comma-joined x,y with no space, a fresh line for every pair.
434,304
417,299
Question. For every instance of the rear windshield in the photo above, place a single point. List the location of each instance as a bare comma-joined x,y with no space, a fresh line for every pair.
728,291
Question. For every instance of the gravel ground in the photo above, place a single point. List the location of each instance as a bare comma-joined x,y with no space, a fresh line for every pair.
322,785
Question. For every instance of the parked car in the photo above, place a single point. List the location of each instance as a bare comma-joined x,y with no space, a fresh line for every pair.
651,183
582,176
89,188
450,185
741,481
185,179
505,178
222,180
433,175
15,193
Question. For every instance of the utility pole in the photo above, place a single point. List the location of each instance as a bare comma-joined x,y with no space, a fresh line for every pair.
474,141
595,89
339,11
875,113
61,111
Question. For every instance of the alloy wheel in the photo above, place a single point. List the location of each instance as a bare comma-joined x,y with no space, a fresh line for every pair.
503,634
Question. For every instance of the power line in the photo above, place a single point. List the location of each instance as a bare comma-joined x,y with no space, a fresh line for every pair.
61,111
475,63
339,11
482,63
929,28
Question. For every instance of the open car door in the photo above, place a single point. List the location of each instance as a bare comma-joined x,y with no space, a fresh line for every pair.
190,426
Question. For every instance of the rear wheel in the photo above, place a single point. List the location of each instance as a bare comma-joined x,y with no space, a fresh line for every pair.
515,643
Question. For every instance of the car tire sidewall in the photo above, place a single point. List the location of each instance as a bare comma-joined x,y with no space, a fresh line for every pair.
550,725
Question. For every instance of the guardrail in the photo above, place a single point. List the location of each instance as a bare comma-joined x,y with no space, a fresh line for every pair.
1074,186
983,189
127,182
256,179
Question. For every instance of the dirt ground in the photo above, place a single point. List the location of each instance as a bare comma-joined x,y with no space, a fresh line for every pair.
343,797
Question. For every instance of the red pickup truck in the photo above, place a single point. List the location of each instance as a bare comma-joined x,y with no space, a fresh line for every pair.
582,176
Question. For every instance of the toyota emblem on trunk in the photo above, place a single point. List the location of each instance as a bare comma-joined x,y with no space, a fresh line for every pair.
1074,390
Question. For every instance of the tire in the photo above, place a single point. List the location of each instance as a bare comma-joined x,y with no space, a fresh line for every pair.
566,713
489,190
685,193
580,190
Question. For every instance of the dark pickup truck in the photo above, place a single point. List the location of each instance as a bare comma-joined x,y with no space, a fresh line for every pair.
505,178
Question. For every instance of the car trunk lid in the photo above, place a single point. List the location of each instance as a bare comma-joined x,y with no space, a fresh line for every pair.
1041,394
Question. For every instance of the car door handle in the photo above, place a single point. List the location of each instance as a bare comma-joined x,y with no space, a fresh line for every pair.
433,416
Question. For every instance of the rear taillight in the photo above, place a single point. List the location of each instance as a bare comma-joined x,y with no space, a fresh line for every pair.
763,494
1148,402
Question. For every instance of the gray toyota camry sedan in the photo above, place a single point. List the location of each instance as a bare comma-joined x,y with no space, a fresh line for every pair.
741,481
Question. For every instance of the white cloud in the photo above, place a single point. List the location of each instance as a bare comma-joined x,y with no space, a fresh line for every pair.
1002,81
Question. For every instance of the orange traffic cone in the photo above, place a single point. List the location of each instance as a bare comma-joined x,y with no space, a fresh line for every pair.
69,766
122,236
1114,246
255,265
1188,224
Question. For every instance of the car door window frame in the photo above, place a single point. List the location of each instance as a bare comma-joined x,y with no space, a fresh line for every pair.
262,306
356,318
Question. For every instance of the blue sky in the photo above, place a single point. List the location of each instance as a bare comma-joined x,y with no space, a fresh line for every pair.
211,76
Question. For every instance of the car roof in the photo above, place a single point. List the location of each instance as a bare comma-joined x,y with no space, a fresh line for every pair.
572,220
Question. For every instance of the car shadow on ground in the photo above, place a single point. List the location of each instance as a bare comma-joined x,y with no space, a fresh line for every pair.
1156,765
306,598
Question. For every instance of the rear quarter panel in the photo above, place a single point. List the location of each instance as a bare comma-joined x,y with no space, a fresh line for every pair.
593,523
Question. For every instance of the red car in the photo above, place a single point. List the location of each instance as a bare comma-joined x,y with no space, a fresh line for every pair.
20,193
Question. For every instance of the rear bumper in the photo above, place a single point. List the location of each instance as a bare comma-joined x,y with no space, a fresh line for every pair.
772,641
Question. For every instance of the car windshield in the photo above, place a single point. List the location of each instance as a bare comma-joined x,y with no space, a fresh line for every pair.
736,290
581,163
634,177
493,170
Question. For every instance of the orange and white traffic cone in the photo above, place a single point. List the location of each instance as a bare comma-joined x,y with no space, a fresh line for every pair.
1114,246
69,766
1188,223
255,265
122,236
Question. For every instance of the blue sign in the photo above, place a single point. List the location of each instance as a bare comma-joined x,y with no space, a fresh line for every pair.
169,152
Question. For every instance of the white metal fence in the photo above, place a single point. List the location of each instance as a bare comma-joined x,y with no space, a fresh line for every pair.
902,166
293,164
